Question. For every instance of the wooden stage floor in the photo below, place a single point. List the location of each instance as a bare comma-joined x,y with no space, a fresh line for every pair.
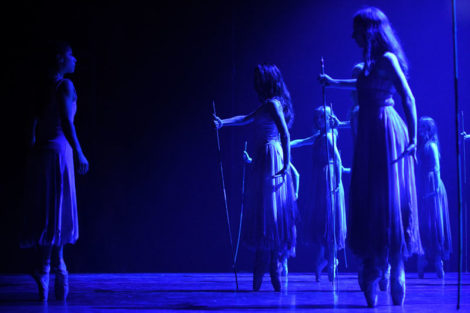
215,293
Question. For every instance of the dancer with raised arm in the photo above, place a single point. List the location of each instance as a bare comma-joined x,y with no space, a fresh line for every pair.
271,210
383,217
325,220
50,216
434,223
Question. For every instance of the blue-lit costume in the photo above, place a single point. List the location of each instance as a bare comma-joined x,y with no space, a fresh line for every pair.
383,217
270,208
324,221
50,217
433,210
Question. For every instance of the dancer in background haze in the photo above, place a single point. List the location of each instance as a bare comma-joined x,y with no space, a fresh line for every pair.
324,223
434,223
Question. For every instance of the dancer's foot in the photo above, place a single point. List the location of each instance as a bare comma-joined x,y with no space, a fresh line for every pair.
274,272
41,277
384,282
370,292
285,268
61,284
332,269
371,275
319,269
398,288
440,269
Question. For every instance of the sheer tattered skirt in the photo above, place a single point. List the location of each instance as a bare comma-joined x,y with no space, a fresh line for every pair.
324,221
271,211
383,217
50,207
434,219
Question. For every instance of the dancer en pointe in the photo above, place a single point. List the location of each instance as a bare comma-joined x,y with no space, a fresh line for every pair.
383,217
434,223
50,210
324,222
271,214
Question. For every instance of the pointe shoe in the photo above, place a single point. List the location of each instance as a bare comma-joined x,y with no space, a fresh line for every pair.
370,292
440,269
332,270
285,268
384,282
398,289
257,279
61,283
319,269
42,280
274,272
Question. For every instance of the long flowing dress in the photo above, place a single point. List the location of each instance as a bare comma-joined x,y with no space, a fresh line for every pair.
271,209
434,220
318,220
50,210
383,217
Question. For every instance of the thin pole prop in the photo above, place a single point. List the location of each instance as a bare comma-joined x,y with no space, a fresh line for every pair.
242,208
225,198
330,190
459,157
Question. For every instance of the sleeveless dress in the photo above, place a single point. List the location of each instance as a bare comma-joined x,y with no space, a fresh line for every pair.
434,222
318,220
271,209
383,217
50,210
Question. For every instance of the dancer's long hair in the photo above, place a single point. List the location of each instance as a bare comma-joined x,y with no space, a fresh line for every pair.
380,37
430,129
270,84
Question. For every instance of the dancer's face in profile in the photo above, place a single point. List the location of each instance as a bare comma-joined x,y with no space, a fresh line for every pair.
359,35
67,62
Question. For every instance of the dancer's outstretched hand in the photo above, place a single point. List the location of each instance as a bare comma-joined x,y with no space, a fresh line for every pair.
325,80
218,123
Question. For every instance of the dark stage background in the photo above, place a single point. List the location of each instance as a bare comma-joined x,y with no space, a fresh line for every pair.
146,76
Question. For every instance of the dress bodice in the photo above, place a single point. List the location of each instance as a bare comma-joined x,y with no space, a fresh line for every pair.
49,119
374,88
427,161
266,128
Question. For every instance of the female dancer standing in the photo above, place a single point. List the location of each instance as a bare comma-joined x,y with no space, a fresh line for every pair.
51,219
271,211
325,221
434,220
383,220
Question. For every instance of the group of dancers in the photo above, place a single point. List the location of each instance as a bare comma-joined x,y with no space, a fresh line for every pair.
385,212
387,206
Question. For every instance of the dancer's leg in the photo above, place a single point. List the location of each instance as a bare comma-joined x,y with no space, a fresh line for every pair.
397,279
61,284
370,276
261,264
42,270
